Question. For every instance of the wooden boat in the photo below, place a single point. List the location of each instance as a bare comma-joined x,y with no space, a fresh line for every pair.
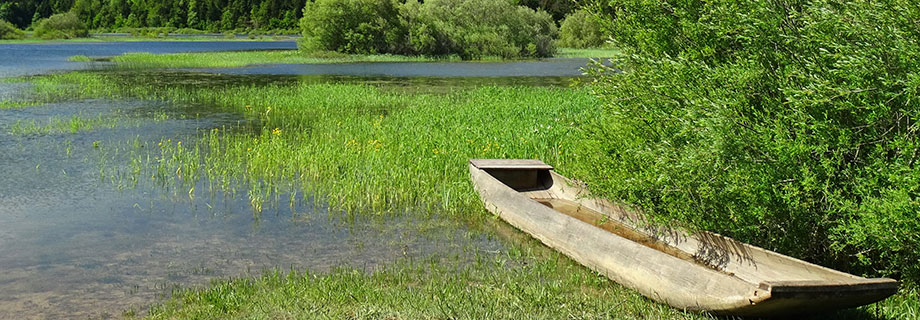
694,272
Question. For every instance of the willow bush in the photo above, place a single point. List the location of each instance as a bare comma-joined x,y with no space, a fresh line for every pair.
353,26
9,32
470,29
61,26
791,125
581,30
476,28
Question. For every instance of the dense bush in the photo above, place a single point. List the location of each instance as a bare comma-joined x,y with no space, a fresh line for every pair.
468,28
210,15
792,125
61,26
581,30
353,26
477,28
9,31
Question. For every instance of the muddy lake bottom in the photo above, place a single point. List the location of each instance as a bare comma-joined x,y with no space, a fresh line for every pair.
80,240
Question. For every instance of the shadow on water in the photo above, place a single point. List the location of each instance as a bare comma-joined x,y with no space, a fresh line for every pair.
79,241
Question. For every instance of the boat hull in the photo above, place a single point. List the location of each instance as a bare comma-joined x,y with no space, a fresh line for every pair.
663,264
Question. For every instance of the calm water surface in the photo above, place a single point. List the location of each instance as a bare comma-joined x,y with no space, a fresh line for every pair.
38,58
78,237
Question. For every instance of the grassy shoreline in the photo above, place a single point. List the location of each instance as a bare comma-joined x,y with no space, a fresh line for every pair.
246,58
370,152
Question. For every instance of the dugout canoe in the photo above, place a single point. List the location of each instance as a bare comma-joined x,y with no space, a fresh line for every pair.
698,271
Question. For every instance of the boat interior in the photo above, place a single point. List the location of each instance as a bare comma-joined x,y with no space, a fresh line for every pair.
707,250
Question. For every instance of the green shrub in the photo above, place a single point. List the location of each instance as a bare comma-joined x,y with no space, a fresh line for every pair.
476,28
792,125
468,28
581,29
189,31
61,26
353,26
9,32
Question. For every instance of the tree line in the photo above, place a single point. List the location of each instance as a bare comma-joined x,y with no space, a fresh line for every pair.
208,15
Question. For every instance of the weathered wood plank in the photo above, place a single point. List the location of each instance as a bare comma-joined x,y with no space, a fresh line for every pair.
520,164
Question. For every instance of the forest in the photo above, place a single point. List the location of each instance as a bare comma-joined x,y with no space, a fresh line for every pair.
207,15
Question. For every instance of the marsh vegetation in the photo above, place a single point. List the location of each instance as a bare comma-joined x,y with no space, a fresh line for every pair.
365,152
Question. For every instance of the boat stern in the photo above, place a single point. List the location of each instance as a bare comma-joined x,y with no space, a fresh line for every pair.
519,174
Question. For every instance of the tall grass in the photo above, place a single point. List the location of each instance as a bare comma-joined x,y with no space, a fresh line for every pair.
515,284
355,146
369,152
55,125
363,148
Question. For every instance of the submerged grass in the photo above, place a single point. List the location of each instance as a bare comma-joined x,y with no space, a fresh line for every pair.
80,58
371,152
79,123
55,125
361,148
356,146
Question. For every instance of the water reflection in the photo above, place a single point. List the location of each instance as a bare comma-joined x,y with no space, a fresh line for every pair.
73,244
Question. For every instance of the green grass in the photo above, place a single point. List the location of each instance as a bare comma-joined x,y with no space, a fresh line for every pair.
79,123
360,148
80,58
246,58
56,125
370,152
588,53
511,285
525,282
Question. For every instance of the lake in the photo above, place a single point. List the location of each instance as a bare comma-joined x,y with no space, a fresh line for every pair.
80,238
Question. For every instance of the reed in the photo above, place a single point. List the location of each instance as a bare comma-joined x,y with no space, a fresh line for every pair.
360,148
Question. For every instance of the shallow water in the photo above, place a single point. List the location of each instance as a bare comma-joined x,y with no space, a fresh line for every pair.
80,238
75,244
